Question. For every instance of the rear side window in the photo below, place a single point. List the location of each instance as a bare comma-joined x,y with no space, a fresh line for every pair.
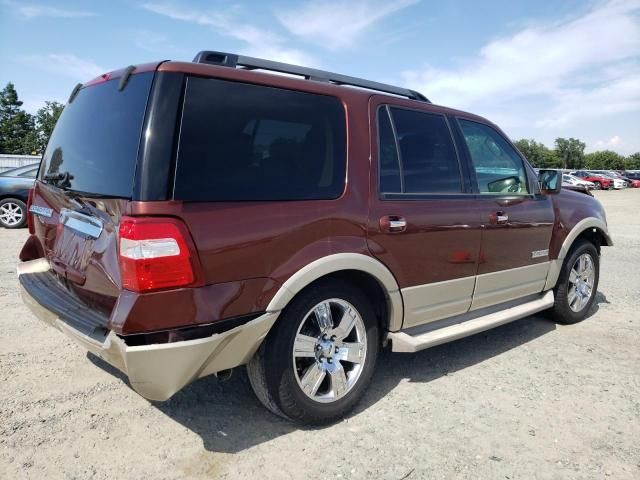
248,142
97,136
426,161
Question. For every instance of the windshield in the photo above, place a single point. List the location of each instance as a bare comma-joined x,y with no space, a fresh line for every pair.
94,147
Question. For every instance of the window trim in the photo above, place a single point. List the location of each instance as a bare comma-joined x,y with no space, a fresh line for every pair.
464,186
533,192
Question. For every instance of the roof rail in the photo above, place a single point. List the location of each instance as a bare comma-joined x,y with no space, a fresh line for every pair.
251,63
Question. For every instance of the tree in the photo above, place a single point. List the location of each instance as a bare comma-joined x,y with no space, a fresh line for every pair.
15,123
632,162
46,119
538,154
604,160
570,151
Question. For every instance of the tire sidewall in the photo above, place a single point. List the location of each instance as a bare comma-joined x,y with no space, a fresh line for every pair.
22,206
563,312
280,374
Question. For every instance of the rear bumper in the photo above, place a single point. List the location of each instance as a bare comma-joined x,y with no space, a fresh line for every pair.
156,371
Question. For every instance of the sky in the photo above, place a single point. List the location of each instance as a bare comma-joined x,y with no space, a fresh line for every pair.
539,69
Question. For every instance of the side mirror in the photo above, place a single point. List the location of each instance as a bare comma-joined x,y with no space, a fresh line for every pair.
550,181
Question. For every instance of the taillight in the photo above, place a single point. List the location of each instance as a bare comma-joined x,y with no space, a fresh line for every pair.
155,253
32,229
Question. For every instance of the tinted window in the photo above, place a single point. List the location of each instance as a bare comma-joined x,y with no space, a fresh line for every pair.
499,168
97,136
249,142
427,162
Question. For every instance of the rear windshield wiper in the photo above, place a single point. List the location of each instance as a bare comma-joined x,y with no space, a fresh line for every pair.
59,179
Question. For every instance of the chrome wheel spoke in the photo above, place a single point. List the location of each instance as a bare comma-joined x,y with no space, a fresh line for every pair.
323,316
351,352
304,346
572,296
347,322
338,378
312,379
573,276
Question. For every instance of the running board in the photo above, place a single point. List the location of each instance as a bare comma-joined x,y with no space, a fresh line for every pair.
403,342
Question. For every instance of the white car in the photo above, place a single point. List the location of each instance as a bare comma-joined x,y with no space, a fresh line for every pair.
618,183
569,180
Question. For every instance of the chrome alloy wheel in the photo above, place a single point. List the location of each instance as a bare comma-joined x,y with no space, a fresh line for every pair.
581,280
10,214
329,350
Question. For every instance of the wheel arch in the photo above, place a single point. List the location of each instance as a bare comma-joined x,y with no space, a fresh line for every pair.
363,270
591,229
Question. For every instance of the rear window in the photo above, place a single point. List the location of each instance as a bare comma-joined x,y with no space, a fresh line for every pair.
96,138
248,142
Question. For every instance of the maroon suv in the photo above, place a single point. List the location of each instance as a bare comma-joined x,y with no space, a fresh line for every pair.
189,218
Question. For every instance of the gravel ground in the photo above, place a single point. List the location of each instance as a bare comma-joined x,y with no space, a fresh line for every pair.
527,400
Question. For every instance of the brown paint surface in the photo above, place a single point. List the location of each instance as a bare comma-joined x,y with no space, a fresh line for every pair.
248,249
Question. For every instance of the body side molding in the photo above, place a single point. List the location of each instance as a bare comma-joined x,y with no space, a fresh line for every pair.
581,226
434,301
338,262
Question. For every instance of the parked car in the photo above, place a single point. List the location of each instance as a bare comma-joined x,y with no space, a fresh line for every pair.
296,225
600,181
571,181
14,189
618,183
617,175
634,178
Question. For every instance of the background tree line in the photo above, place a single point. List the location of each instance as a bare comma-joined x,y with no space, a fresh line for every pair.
20,132
24,134
569,153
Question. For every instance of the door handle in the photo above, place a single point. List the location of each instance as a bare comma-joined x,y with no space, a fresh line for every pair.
499,218
393,224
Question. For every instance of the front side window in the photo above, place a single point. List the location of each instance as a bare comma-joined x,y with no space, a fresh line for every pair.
248,142
426,161
499,169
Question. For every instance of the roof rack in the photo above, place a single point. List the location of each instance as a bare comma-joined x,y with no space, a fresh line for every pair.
251,63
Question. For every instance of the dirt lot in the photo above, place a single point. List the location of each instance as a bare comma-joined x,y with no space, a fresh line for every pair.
529,399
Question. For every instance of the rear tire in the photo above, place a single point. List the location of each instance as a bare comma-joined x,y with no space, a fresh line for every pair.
13,213
315,366
577,284
598,185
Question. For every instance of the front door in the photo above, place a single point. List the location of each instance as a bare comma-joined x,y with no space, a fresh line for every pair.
423,223
517,220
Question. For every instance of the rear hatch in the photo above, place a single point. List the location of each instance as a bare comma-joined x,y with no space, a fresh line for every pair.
84,183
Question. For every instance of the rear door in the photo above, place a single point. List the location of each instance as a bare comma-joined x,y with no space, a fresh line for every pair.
517,220
423,224
84,182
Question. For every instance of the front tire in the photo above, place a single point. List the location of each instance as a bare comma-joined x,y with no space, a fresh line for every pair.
598,185
319,358
13,213
577,284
